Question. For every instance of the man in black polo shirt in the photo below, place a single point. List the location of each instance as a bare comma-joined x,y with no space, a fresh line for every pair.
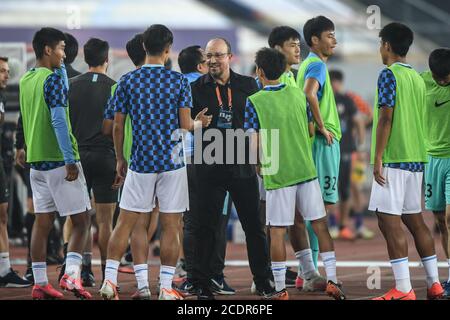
88,96
224,93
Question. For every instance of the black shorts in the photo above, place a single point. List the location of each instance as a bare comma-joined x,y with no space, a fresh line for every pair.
4,185
345,171
99,167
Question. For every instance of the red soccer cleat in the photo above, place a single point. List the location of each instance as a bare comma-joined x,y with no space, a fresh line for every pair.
45,293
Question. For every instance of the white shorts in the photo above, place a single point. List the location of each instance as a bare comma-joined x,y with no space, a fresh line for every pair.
305,197
51,192
262,191
171,189
402,193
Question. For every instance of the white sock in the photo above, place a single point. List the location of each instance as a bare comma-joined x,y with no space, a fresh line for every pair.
5,265
73,263
431,269
329,262
111,269
166,276
401,274
306,264
141,273
279,275
448,270
40,273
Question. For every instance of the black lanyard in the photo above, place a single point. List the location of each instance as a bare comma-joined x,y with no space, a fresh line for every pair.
219,97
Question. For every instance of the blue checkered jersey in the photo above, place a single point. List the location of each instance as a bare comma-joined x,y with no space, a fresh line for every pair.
151,96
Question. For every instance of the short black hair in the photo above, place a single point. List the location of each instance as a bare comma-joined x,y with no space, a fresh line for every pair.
399,36
96,52
189,58
272,62
336,75
71,49
156,39
279,35
5,59
439,62
315,27
46,37
135,49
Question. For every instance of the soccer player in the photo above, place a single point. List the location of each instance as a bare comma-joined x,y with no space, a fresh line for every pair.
314,79
88,96
282,109
155,169
56,175
437,134
147,223
287,40
398,154
8,278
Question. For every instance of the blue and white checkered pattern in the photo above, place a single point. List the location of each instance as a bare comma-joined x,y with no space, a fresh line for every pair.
408,166
387,89
151,96
251,117
109,110
55,95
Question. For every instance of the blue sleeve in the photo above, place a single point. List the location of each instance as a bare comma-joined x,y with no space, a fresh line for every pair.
387,89
55,91
109,110
120,98
59,124
318,71
251,117
55,95
62,72
185,100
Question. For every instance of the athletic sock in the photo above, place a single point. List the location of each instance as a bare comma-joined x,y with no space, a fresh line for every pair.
329,262
306,263
166,274
40,273
5,264
431,269
279,275
400,267
73,264
111,269
313,243
141,273
87,259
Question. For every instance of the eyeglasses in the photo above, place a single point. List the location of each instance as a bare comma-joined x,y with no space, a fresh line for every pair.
217,56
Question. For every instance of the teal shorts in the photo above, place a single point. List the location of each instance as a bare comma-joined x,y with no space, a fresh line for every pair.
327,159
437,183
